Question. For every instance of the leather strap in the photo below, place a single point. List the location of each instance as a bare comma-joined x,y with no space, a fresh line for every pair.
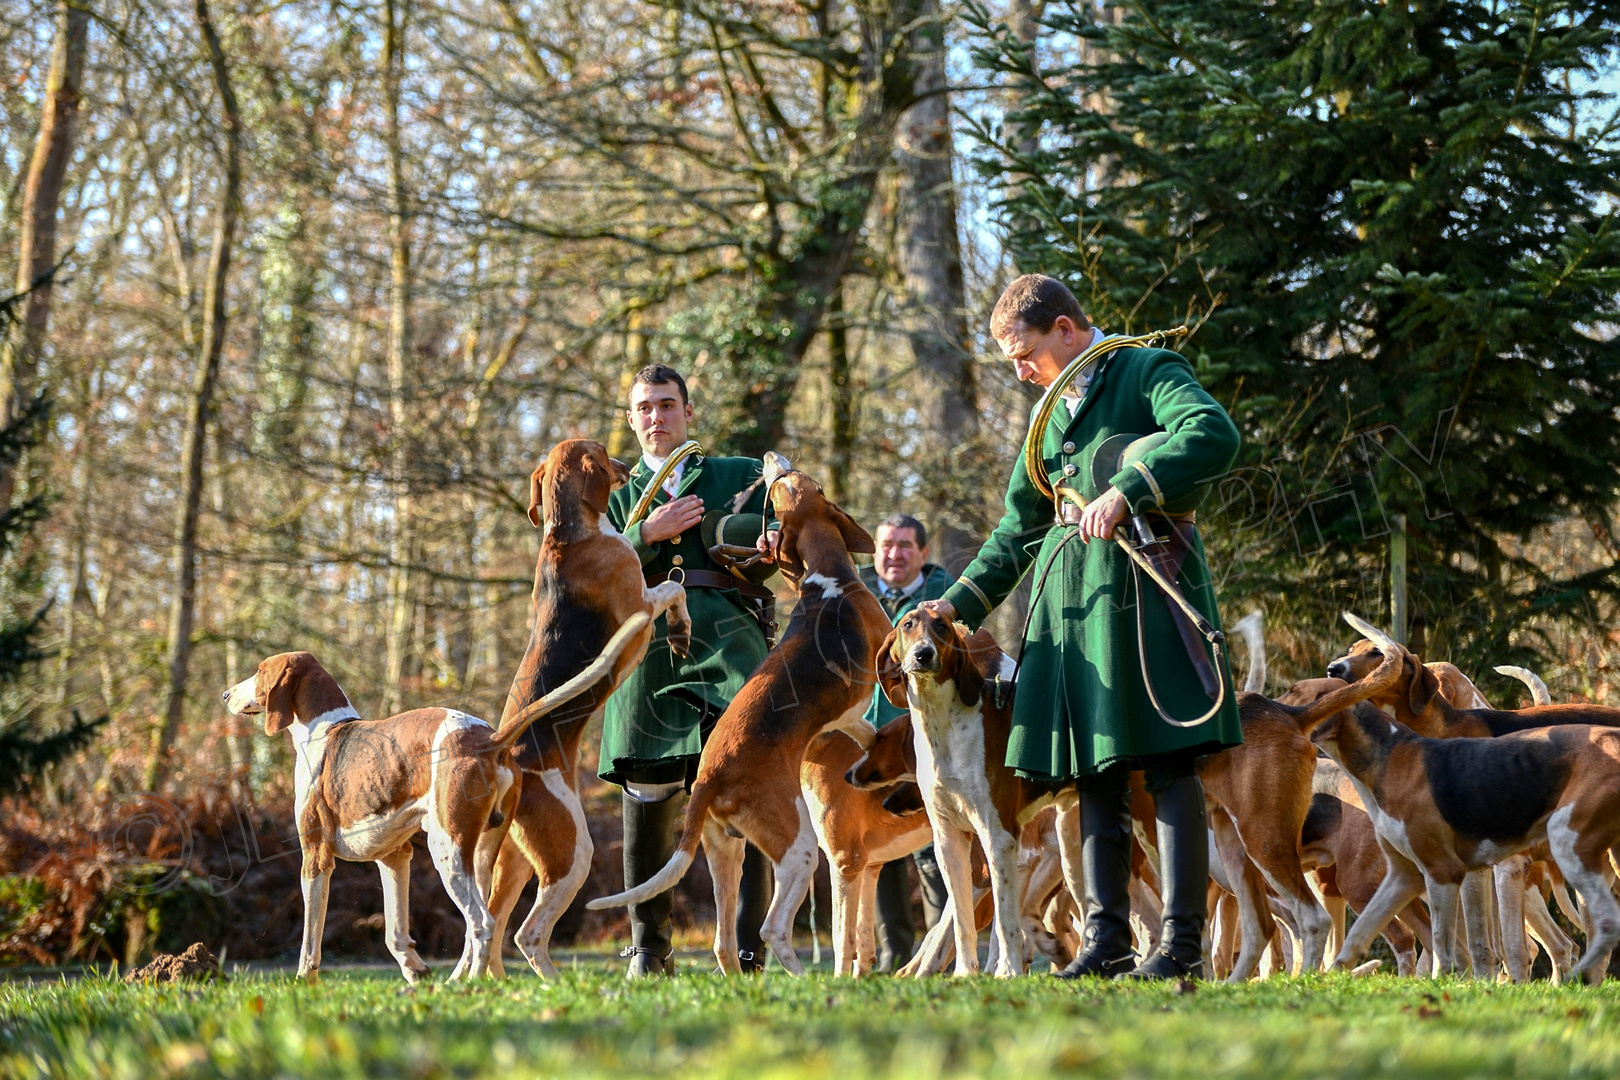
708,579
1167,559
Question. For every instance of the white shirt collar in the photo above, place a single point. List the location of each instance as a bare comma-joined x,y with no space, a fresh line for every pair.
672,483
916,583
1082,382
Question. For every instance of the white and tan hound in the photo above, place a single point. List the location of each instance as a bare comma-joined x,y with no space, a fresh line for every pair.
364,788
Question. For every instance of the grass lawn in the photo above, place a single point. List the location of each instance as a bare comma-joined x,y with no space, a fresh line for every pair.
591,1022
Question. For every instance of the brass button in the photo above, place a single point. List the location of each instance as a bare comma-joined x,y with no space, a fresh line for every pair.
676,560
675,539
1068,448
1070,469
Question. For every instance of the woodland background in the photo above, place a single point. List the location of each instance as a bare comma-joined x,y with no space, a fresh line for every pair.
303,291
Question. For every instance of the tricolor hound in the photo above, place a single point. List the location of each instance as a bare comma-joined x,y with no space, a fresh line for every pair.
1444,807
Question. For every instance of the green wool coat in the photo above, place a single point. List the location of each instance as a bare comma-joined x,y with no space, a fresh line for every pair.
1081,704
935,582
659,716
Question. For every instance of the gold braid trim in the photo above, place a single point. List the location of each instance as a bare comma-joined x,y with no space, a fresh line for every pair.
644,504
1043,416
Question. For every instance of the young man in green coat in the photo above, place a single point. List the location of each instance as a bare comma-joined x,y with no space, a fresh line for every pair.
657,721
901,577
1082,710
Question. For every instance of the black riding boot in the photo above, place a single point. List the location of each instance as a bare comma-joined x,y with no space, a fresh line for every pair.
932,881
1105,853
649,841
1184,873
896,929
753,904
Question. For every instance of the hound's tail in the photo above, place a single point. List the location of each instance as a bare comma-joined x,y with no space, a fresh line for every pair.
1380,678
1251,626
697,811
1538,689
594,672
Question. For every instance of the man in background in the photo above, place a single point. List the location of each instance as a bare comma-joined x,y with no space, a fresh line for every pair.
901,577
658,720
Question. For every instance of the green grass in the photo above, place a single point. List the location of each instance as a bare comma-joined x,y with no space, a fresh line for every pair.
592,1023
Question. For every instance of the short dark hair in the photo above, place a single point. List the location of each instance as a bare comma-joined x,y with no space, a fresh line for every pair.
1036,301
657,375
906,521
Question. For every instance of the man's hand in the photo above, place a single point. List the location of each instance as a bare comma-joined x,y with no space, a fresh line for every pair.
767,545
672,519
942,608
1100,516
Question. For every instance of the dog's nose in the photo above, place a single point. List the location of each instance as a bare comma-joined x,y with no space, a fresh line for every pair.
225,696
923,654
1339,669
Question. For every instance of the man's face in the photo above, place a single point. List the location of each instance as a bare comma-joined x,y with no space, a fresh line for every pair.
1040,358
898,560
658,417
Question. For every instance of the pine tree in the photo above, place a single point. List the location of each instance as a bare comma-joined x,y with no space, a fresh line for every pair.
1403,217
24,752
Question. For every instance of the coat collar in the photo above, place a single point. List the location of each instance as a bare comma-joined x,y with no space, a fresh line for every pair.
640,475
1104,365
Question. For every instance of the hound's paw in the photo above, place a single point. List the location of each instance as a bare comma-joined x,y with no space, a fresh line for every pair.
680,640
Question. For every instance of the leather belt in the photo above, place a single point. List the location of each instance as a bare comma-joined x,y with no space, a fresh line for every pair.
708,579
1068,513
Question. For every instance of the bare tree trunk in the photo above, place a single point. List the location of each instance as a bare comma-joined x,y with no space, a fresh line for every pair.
401,545
36,254
931,265
842,450
621,441
183,610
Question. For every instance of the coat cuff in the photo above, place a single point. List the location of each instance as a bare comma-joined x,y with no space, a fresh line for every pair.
1139,486
971,604
644,551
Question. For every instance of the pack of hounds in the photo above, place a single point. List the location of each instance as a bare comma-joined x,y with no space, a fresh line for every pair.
1390,788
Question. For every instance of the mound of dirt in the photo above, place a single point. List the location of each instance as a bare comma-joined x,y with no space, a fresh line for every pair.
195,963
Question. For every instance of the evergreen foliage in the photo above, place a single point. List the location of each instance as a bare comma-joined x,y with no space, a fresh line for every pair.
23,752
1404,219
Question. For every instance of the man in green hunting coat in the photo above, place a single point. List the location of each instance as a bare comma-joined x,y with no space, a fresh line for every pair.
901,577
658,719
1082,710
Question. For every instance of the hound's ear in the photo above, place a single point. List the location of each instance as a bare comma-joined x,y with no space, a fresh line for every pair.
621,473
905,799
537,483
1424,686
599,476
857,541
977,650
786,554
1328,729
890,677
274,689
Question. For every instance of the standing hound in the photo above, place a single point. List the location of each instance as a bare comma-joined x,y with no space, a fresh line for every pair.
819,677
947,677
1444,807
364,788
1437,701
859,835
587,583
